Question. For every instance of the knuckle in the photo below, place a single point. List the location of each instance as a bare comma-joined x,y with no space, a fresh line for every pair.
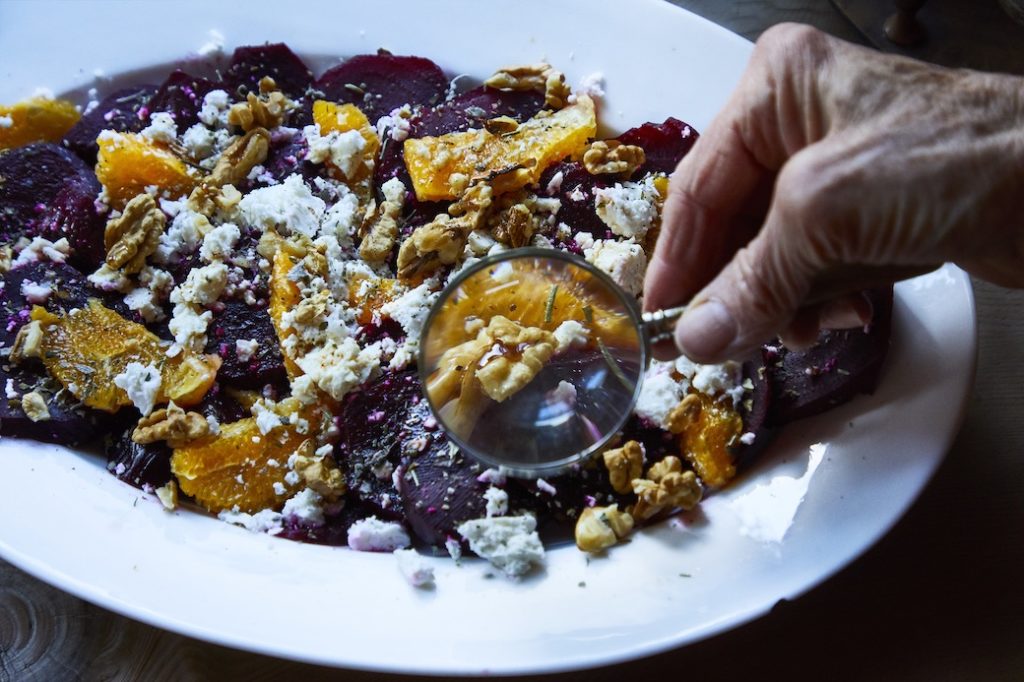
790,38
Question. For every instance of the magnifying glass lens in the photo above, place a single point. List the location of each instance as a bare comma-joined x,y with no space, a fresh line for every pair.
532,360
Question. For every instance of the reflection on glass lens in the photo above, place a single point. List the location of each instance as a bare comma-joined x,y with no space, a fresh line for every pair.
532,360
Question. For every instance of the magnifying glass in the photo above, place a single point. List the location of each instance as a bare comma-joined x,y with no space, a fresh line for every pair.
532,359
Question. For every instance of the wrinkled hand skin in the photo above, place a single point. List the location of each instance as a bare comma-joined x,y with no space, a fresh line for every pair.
831,169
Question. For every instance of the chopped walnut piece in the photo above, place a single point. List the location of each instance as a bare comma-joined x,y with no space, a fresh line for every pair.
266,110
613,158
168,495
441,241
666,487
599,528
6,257
680,417
321,473
514,226
380,231
171,424
501,125
28,343
132,237
519,355
35,407
207,199
240,158
538,77
624,464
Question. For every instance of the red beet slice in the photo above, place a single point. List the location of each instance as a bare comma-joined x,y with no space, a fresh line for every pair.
576,192
118,111
841,365
380,83
48,191
664,144
238,321
139,465
181,95
251,63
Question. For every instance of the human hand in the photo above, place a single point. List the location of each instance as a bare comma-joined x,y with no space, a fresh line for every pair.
831,169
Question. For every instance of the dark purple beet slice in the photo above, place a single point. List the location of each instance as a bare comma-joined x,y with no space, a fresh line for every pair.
586,485
380,83
239,321
444,491
67,284
181,95
118,111
47,190
374,436
841,365
754,410
217,403
664,144
139,465
251,63
287,156
576,192
69,424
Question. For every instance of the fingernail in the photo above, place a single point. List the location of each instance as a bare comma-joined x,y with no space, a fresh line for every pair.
705,331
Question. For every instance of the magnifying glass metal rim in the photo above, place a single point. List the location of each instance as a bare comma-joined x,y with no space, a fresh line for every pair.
629,303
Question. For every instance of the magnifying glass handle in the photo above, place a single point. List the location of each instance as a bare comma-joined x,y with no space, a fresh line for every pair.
659,325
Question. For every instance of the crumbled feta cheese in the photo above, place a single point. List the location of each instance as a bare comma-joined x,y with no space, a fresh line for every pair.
555,183
214,112
454,548
564,393
748,438
497,501
546,487
40,249
339,366
414,568
394,191
343,149
410,310
510,543
624,261
184,234
342,219
107,279
203,286
396,124
161,128
199,142
591,85
584,240
213,424
374,535
290,208
726,378
143,301
9,390
629,209
6,121
493,476
141,383
219,243
35,292
479,243
266,521
305,508
266,418
570,334
659,393
245,349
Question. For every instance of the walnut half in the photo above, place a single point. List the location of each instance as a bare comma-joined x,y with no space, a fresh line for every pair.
266,110
667,486
539,77
624,464
613,158
441,241
131,238
240,158
172,424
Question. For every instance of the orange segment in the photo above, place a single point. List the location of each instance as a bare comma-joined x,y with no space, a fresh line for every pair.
85,349
36,120
536,144
368,300
127,164
342,118
705,440
237,467
284,296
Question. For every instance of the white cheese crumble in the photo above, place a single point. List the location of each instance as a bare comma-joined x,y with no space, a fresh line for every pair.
570,334
266,521
219,243
288,208
108,279
726,378
497,501
6,122
396,124
10,391
266,418
584,240
141,383
143,301
35,292
305,508
629,209
555,183
624,261
510,543
246,348
343,150
183,235
214,112
199,141
660,393
339,366
414,568
342,219
40,249
410,310
161,128
373,535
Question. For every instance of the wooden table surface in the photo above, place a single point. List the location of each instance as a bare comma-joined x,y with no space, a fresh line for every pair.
939,598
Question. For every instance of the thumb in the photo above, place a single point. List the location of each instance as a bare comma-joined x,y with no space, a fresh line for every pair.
753,297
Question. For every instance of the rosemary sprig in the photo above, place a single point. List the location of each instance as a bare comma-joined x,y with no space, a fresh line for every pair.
549,307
